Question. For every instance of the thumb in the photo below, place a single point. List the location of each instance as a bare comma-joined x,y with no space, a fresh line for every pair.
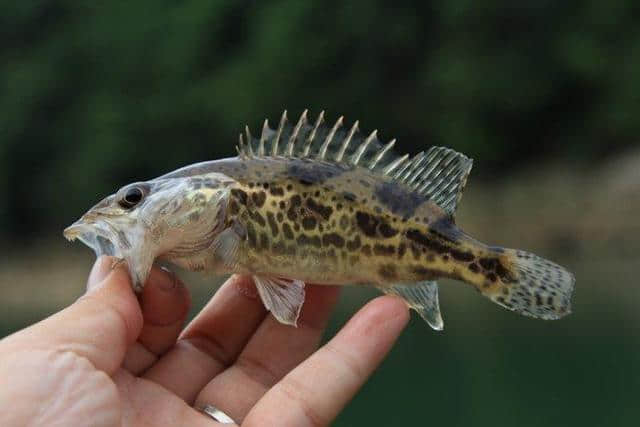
100,325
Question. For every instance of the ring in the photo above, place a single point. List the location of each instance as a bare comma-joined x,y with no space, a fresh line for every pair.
217,414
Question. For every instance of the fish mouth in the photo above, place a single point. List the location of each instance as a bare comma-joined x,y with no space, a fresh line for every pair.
107,238
99,236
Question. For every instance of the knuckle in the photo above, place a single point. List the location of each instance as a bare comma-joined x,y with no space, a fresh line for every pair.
257,370
350,363
295,394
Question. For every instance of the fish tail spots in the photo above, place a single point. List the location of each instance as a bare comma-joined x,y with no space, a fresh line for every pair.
530,285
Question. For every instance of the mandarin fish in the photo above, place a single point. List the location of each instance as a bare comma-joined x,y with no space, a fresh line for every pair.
310,203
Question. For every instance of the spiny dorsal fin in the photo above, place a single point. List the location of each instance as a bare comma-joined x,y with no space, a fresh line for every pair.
325,145
294,135
439,174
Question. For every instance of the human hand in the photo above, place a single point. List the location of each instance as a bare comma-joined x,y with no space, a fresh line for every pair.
109,360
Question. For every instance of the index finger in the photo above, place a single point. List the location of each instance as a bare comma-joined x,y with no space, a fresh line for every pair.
99,326
314,393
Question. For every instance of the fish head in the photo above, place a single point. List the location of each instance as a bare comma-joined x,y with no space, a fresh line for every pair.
145,220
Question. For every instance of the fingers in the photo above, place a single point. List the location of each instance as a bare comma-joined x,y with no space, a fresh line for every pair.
165,304
315,392
273,351
100,326
212,341
145,403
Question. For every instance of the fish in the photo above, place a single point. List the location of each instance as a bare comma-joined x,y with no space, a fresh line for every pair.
323,204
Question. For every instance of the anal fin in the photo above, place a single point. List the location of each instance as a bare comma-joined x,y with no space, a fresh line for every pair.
423,298
283,297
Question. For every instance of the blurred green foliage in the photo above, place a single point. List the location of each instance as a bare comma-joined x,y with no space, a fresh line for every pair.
96,94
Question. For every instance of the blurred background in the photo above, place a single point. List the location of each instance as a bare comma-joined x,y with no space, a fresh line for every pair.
544,95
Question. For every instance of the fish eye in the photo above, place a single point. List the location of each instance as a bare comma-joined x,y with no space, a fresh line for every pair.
131,197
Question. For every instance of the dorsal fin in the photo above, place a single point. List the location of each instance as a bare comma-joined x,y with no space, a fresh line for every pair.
439,174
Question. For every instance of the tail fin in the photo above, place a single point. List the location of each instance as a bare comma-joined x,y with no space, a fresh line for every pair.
534,286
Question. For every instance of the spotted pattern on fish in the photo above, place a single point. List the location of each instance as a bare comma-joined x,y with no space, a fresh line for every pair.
302,223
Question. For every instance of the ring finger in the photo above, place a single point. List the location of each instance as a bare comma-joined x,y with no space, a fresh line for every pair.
270,354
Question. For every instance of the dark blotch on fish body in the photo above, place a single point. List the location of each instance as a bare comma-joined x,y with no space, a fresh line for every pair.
424,240
373,226
309,172
348,195
276,191
386,230
399,200
240,195
257,217
258,198
272,223
354,244
488,263
320,209
333,239
402,248
461,255
367,223
305,240
286,230
309,223
383,250
233,207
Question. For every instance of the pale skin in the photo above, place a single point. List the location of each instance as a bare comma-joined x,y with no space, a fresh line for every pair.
114,359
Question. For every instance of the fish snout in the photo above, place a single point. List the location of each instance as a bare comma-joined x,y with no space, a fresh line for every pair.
74,231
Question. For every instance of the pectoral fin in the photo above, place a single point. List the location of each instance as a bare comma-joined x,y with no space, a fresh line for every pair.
282,297
423,298
226,245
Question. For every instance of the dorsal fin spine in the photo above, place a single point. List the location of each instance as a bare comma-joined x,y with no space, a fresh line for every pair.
276,140
312,134
294,135
323,150
407,169
263,137
401,169
381,153
362,148
394,164
346,142
240,147
249,140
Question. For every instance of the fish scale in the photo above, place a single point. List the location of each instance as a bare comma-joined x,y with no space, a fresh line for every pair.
311,203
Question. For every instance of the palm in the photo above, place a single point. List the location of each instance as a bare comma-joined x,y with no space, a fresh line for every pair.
232,355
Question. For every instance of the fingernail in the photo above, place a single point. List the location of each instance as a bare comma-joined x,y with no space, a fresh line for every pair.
167,281
99,272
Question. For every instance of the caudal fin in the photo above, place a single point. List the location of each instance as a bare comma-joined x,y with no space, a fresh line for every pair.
535,287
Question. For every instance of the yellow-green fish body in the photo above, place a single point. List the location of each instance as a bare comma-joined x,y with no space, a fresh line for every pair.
308,203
